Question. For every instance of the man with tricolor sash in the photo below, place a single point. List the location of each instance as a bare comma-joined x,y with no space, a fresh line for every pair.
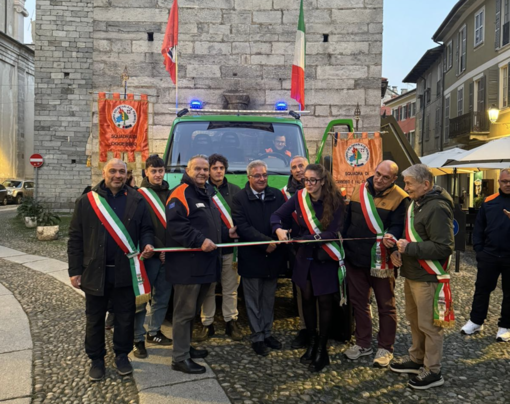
424,258
109,232
375,216
194,221
155,191
295,183
222,199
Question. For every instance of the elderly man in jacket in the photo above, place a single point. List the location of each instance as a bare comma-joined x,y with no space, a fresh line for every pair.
259,265
194,222
424,257
101,264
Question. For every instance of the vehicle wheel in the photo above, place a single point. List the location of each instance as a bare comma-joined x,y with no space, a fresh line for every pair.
18,199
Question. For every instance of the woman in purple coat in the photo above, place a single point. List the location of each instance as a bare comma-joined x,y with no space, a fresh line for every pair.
320,210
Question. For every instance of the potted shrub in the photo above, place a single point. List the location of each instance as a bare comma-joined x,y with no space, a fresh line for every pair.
29,210
47,225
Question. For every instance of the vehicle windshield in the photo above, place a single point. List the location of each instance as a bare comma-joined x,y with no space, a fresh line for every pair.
12,184
239,142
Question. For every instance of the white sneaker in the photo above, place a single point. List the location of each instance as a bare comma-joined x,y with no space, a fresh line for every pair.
355,351
470,328
382,358
503,335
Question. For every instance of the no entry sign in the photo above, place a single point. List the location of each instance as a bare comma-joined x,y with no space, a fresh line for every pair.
36,160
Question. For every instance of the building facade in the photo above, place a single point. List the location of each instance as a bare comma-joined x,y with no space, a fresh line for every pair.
16,93
403,109
224,45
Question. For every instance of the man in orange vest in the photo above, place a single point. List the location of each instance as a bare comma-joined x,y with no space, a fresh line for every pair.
279,146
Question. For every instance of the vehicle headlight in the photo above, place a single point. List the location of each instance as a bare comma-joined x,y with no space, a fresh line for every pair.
9,192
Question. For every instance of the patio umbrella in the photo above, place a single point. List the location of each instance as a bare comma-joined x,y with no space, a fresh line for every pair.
437,161
493,155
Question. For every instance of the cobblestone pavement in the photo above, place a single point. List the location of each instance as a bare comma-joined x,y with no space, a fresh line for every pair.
476,368
57,324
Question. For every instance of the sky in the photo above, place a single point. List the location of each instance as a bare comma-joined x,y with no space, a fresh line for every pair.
408,29
408,26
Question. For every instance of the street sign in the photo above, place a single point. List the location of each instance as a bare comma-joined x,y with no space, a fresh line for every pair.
36,160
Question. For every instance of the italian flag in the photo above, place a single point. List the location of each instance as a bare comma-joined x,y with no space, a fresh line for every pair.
297,88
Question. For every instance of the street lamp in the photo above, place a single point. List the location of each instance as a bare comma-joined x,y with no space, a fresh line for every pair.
493,113
357,114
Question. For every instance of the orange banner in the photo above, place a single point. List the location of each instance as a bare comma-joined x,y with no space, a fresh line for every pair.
123,126
355,159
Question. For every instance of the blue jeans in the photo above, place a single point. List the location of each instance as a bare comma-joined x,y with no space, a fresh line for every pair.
161,290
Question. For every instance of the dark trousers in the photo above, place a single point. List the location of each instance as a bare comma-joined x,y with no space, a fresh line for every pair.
360,282
259,295
187,302
123,302
486,282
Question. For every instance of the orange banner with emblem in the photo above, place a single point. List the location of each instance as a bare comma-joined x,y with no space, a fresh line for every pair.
355,159
123,126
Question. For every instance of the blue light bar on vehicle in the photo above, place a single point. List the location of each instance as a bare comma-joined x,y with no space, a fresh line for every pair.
281,106
195,104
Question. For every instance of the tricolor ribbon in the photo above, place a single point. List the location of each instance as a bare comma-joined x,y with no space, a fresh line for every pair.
119,233
384,268
443,301
155,203
226,217
287,195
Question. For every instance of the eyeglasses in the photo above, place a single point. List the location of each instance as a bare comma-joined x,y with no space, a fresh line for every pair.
258,176
312,181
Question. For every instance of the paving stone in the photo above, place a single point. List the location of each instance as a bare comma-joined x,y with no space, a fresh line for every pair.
25,258
16,374
187,393
14,327
47,265
9,252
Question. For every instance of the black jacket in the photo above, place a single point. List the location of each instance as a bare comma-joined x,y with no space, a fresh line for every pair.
87,240
163,193
191,218
492,228
292,187
252,217
227,191
391,204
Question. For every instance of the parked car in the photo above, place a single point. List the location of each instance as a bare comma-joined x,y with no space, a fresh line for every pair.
17,189
3,195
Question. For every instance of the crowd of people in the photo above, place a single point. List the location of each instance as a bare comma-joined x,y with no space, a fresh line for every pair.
334,249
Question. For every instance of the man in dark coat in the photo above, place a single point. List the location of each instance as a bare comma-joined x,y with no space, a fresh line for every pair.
259,265
193,222
99,267
490,241
155,191
229,276
295,183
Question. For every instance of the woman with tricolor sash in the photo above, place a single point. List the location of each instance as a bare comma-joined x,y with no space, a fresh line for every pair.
319,271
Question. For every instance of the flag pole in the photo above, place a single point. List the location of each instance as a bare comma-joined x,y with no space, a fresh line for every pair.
176,80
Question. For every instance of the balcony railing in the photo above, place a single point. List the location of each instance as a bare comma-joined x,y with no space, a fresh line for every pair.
472,122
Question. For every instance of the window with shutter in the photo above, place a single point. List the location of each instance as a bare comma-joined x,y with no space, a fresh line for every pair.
503,88
506,24
479,27
437,122
427,127
497,34
449,55
460,101
446,136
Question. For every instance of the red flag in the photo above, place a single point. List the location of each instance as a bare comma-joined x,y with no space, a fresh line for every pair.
169,48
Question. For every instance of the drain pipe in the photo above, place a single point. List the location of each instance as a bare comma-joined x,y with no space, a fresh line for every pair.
441,124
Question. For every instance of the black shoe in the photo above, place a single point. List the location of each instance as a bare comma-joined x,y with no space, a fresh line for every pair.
272,342
139,350
203,332
260,348
311,350
96,371
233,330
301,340
321,359
188,366
123,364
159,339
406,365
197,353
426,379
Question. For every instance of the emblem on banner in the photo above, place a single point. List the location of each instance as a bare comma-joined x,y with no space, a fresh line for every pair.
357,155
124,116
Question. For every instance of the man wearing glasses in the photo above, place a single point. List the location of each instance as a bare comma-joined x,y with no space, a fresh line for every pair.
490,241
280,144
259,265
378,204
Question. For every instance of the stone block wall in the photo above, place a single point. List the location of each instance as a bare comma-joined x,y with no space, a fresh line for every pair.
237,45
